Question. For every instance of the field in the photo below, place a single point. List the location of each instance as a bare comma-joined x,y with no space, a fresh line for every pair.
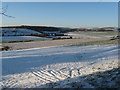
11,39
37,67
68,63
97,33
92,34
79,38
50,45
64,42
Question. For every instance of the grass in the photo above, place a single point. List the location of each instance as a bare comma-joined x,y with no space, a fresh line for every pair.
103,42
98,33
16,41
20,41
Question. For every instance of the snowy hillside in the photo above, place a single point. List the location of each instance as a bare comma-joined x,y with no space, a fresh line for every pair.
21,38
18,32
56,66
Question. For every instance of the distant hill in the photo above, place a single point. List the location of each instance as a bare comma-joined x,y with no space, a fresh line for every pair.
61,29
32,31
36,28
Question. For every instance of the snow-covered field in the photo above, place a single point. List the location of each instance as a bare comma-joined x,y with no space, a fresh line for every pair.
17,32
90,34
21,38
37,67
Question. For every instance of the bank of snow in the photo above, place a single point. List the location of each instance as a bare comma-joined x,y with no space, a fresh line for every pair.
56,66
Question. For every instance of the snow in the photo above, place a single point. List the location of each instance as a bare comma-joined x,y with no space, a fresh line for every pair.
21,38
37,67
81,35
18,31
51,32
19,34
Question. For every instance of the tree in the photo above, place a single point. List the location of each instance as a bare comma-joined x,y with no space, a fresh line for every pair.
4,10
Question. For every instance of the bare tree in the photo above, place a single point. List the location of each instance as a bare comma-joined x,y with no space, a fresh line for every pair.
4,10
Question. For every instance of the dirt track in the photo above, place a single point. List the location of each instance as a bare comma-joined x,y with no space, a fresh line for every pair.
36,44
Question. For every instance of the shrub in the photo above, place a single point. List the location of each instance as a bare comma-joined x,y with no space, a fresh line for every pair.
5,48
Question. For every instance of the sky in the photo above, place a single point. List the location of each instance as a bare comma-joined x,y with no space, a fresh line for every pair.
62,14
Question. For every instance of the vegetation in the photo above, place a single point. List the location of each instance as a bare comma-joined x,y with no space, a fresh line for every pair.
35,28
103,42
45,28
5,48
103,79
98,33
17,41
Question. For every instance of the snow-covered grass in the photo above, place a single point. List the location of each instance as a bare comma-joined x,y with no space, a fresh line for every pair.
92,34
20,34
103,79
102,42
55,66
21,38
17,32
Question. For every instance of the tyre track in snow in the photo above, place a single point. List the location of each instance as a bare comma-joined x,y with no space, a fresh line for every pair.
9,83
57,75
53,76
64,71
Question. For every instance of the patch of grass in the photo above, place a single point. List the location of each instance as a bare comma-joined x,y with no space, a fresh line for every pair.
17,41
102,42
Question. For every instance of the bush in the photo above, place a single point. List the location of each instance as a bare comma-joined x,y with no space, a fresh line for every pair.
5,48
